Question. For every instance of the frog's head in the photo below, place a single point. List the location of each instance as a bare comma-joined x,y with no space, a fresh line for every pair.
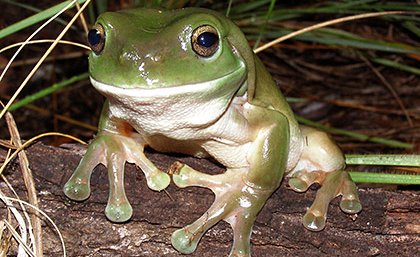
155,49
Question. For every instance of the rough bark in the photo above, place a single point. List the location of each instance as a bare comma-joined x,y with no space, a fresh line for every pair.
389,224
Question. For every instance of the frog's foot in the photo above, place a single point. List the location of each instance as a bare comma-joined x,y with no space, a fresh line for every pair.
113,151
235,202
332,184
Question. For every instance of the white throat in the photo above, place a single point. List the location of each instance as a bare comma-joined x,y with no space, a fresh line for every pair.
165,110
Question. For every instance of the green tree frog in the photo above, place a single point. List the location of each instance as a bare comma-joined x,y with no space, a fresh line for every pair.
186,81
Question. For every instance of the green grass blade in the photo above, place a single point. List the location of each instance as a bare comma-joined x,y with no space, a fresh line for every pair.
384,178
34,19
249,7
358,136
351,7
339,38
47,91
383,159
31,8
264,26
368,44
91,14
411,26
389,6
379,44
101,6
296,100
397,65
21,5
229,8
350,4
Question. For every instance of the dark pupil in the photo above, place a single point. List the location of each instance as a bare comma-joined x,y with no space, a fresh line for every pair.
207,39
94,37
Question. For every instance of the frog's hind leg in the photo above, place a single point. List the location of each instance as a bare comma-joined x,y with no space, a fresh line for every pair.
235,202
322,162
240,193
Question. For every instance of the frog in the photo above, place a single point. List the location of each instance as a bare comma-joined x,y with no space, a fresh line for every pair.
186,81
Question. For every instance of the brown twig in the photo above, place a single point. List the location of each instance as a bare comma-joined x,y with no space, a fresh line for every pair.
82,19
325,24
390,88
7,144
29,183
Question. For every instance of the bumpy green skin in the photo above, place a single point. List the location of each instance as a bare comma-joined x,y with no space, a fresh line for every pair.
163,95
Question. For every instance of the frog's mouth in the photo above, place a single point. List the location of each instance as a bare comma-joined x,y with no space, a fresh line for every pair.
229,83
171,108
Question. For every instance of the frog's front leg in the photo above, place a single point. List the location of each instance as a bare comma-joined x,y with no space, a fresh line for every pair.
240,193
322,162
114,144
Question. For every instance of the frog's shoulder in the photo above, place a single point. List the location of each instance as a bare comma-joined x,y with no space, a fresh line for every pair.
266,91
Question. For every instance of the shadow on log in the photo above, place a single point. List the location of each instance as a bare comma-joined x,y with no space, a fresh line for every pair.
389,224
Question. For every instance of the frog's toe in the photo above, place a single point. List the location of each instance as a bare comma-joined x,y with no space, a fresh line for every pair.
350,202
242,227
303,180
76,191
184,241
226,208
180,174
158,181
316,215
313,221
185,176
78,186
298,185
350,206
119,212
335,183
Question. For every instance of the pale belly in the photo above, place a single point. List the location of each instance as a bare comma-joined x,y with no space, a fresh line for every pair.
230,156
228,140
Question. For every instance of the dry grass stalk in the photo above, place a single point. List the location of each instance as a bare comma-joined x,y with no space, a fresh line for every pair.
29,183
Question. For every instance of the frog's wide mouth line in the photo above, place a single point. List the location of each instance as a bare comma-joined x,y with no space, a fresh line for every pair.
209,86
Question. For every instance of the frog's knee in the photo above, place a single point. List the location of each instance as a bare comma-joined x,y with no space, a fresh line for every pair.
320,152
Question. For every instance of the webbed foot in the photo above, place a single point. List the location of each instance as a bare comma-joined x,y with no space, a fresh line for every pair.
113,151
235,202
333,184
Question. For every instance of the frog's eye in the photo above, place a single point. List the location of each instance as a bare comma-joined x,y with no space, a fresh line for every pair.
205,40
96,38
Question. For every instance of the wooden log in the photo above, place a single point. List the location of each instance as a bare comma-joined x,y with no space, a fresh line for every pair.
389,224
